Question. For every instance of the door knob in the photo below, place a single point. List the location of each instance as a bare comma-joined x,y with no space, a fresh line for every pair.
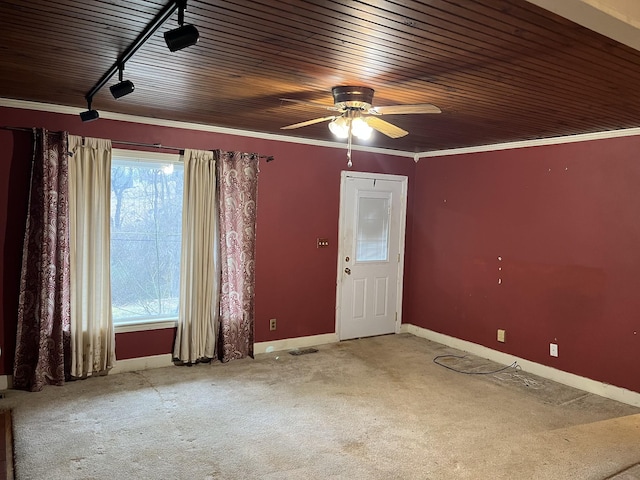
347,271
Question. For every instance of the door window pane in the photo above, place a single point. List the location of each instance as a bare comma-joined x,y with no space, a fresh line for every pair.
372,236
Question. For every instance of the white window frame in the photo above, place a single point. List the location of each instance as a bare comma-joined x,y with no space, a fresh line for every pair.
150,157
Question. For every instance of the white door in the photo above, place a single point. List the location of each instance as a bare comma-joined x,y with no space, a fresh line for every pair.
371,254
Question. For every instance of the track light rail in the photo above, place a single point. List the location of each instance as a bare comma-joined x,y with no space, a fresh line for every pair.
150,29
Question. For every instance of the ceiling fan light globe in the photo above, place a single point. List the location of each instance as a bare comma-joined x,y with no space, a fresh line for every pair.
339,128
360,129
364,134
342,122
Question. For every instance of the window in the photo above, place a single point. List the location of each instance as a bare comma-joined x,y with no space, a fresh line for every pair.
372,234
146,225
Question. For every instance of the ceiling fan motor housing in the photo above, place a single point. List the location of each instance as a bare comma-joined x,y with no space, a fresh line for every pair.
353,97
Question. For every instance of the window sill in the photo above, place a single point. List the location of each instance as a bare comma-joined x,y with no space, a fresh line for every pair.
142,326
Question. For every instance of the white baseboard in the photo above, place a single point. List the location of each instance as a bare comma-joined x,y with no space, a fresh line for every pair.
586,384
121,366
142,363
166,360
592,386
291,343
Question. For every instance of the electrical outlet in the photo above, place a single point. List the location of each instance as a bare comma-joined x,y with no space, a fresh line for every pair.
501,335
272,324
553,349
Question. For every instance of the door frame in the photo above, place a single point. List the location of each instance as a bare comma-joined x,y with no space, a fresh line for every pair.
404,181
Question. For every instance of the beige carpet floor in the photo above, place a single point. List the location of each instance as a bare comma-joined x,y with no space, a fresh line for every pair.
376,408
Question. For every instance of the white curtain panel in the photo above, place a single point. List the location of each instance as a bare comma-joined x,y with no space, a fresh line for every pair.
199,266
92,334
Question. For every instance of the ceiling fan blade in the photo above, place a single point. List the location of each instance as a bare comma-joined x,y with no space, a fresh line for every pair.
404,109
308,122
311,104
389,129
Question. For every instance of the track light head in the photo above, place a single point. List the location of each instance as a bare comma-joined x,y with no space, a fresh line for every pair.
89,115
181,37
122,88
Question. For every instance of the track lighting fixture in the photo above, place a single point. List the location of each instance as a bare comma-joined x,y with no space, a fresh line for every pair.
183,36
177,39
90,115
123,87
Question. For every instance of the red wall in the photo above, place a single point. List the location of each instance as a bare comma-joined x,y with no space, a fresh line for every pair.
298,201
565,220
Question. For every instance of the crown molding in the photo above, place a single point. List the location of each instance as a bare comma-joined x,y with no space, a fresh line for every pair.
540,142
53,108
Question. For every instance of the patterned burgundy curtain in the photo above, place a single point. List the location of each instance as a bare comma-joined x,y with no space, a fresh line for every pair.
238,188
43,310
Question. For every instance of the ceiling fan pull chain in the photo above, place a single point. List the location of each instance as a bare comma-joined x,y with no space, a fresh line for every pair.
349,164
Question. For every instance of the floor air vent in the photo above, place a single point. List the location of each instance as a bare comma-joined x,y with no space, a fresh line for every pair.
303,351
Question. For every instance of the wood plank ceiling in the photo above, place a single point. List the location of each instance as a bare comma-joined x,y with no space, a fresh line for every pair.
500,70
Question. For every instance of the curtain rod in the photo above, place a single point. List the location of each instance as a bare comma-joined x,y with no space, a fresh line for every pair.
268,158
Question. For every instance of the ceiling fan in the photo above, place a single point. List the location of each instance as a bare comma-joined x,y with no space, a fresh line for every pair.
356,116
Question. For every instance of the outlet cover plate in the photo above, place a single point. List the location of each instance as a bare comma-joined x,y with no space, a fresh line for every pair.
501,335
553,349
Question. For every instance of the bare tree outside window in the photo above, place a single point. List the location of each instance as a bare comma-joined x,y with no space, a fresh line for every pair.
146,222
